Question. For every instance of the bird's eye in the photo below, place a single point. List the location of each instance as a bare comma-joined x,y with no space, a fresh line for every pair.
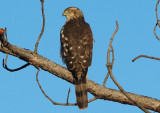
69,10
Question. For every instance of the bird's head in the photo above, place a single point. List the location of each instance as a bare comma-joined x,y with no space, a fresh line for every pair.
72,12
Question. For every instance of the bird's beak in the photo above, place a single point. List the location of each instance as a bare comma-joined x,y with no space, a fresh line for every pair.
64,13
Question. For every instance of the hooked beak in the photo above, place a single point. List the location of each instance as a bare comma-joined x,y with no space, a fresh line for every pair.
64,13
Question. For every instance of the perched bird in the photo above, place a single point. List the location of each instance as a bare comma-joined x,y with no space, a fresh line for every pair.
76,51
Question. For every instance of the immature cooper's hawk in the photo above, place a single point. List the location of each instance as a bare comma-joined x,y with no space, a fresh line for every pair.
76,51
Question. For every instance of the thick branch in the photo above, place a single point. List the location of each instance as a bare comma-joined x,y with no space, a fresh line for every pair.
99,91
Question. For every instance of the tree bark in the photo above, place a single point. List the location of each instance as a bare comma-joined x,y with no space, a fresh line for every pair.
95,89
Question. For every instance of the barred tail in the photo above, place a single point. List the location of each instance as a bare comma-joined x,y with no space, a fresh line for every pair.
81,94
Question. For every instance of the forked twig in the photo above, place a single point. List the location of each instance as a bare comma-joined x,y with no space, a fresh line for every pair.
106,78
40,35
5,61
112,50
158,23
55,103
109,66
36,45
155,31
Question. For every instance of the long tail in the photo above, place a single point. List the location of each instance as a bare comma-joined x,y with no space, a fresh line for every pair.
81,94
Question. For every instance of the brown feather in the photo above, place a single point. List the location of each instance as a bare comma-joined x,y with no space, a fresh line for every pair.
76,51
81,94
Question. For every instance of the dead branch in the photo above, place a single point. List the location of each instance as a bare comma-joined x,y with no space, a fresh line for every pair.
36,45
112,50
55,103
93,99
40,35
68,94
4,62
155,32
145,56
110,65
105,79
95,89
13,70
157,13
157,21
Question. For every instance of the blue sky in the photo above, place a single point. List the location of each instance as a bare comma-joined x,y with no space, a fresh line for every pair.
20,92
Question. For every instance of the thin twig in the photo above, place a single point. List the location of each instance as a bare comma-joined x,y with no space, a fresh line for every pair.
5,61
36,45
5,33
68,94
93,99
155,32
112,50
109,66
2,31
13,70
106,78
157,21
40,35
145,56
55,103
157,13
123,91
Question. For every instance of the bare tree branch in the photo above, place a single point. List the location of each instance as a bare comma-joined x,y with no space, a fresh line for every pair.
157,13
112,50
40,35
4,62
36,45
157,21
145,56
13,70
105,79
109,66
95,89
55,103
155,32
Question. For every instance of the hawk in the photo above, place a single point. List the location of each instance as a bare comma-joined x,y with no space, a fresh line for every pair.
76,51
